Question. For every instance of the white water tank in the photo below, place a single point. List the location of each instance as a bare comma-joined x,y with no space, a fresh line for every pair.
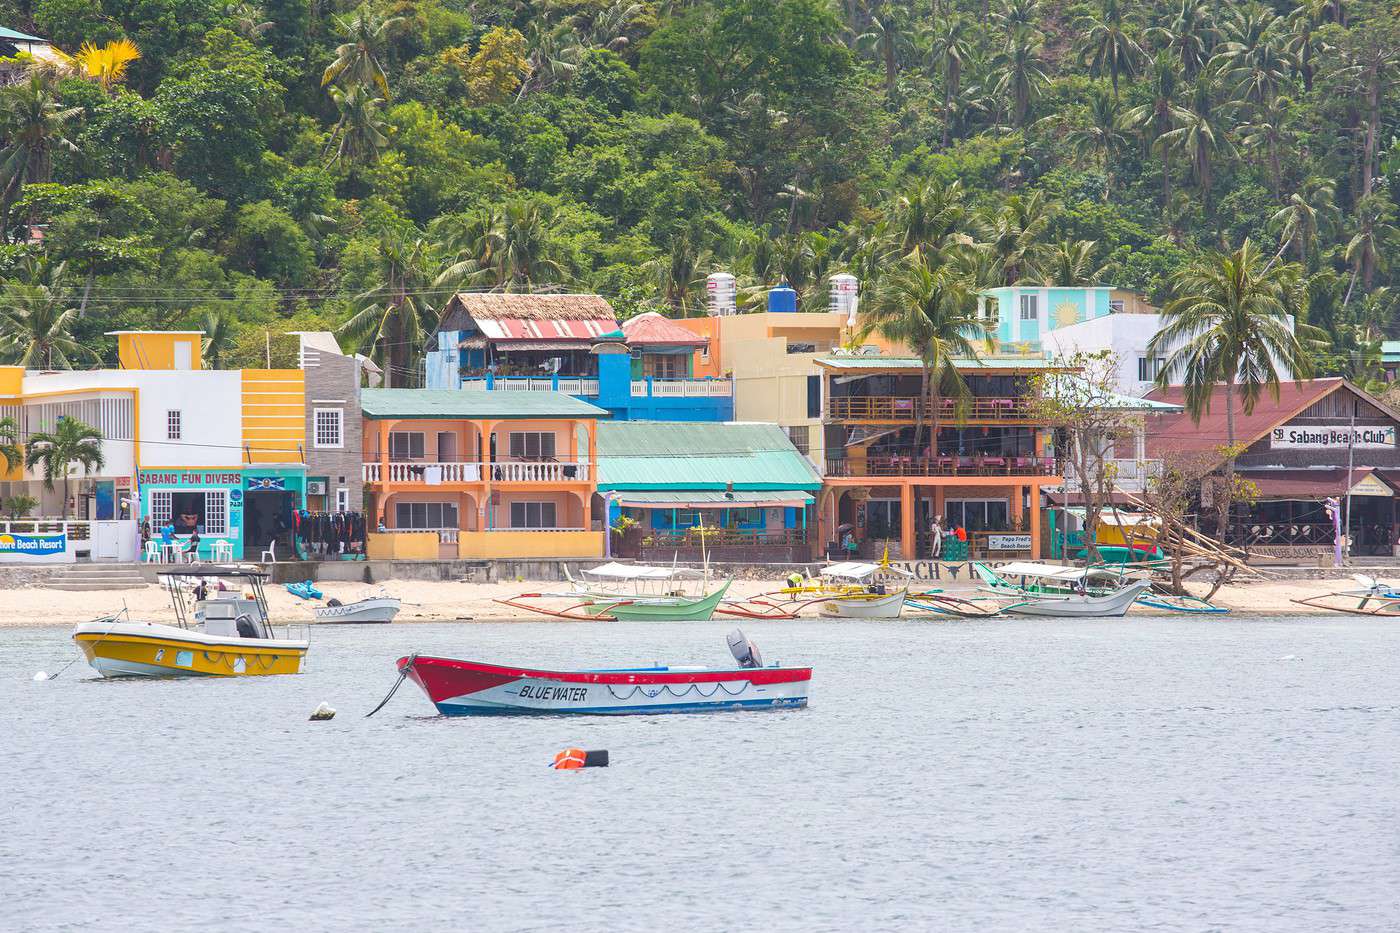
845,295
722,293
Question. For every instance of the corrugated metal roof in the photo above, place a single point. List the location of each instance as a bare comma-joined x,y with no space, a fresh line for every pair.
700,455
652,329
462,403
13,35
914,364
741,498
1180,434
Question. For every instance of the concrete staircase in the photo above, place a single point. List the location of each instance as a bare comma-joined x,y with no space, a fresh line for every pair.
86,577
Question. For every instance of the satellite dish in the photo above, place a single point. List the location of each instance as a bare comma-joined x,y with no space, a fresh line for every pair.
744,651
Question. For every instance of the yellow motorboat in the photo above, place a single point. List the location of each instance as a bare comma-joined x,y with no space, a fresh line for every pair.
221,630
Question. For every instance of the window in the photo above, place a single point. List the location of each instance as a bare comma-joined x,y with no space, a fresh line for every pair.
532,515
531,445
1030,307
429,516
172,424
1115,306
330,427
1150,367
190,509
814,396
977,514
663,366
342,499
215,512
160,507
801,437
405,445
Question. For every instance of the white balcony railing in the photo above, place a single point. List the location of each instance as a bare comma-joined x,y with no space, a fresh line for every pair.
437,474
683,388
569,386
537,472
429,474
1129,475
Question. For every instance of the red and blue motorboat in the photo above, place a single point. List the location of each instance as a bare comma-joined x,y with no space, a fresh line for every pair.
474,688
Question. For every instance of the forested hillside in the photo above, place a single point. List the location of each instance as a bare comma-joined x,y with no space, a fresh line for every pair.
256,167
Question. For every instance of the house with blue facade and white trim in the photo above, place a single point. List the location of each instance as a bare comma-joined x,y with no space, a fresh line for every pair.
573,344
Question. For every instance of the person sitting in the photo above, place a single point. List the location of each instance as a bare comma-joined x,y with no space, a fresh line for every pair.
848,544
192,545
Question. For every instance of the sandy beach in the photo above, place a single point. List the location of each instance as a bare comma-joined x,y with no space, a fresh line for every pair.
450,601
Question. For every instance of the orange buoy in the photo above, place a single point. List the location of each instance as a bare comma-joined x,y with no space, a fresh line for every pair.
569,759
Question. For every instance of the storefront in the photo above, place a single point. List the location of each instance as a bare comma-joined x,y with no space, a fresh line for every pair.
271,499
209,501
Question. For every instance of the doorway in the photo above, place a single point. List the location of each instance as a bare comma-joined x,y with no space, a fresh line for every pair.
267,517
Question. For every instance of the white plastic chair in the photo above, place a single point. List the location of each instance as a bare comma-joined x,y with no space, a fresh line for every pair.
269,556
222,551
152,551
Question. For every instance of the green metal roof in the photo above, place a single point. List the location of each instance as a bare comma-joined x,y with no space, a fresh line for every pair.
915,364
740,498
462,403
680,455
11,36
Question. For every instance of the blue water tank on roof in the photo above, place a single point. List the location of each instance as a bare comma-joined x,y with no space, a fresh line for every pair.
782,299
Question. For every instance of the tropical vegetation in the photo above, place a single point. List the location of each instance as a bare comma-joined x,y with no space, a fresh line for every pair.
56,454
299,164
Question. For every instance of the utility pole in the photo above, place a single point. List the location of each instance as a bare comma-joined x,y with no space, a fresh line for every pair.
267,340
1351,449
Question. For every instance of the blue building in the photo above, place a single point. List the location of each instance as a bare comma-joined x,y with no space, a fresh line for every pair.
1020,315
642,370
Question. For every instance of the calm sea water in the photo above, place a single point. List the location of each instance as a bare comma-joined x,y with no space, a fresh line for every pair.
1037,775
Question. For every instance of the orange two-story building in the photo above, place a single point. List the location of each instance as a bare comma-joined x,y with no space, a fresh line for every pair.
476,474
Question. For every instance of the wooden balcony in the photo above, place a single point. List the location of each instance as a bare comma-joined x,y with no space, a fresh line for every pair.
942,466
905,410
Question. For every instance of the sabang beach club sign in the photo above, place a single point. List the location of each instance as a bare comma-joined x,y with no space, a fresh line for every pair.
1371,437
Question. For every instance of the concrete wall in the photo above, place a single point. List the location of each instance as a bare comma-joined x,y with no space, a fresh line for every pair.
1125,335
333,381
530,544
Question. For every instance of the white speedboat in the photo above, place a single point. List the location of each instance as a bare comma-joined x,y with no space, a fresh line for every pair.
1052,590
372,609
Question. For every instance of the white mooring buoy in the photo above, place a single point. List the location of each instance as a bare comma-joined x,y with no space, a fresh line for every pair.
40,675
324,711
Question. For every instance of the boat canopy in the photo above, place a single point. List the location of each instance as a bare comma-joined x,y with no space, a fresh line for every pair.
1116,516
1050,571
616,571
857,570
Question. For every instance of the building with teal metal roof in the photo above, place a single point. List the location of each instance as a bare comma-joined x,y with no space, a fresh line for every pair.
743,486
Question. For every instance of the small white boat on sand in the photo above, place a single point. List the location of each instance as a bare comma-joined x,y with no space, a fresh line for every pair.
373,609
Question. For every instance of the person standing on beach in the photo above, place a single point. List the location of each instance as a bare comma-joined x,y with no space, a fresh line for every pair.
936,537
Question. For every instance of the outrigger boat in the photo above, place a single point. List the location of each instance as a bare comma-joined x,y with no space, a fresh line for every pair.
1155,598
631,592
964,607
1374,598
464,688
1055,591
845,590
220,631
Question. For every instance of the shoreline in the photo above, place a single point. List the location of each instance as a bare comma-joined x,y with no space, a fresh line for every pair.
453,601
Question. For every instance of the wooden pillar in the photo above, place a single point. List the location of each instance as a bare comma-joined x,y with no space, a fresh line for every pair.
381,499
938,504
907,518
1018,496
1035,522
484,505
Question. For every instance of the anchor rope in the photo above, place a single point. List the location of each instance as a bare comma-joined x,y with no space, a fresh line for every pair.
403,675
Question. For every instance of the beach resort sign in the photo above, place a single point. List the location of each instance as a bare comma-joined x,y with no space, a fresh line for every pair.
1368,436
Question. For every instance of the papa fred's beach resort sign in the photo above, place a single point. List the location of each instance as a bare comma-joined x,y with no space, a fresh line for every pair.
1370,437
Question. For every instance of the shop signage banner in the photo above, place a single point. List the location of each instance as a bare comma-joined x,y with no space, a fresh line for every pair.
1008,542
1368,437
12,545
259,483
189,478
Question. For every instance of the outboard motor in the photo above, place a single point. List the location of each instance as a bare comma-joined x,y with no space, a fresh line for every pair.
245,627
744,651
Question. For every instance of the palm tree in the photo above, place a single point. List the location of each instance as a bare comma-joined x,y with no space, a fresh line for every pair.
33,122
56,452
1015,234
1256,57
527,252
1229,325
36,328
358,136
218,336
1375,68
1100,140
1366,250
1199,135
1191,37
1021,73
393,319
950,49
1154,119
1018,14
1069,263
680,278
104,64
356,62
1307,211
931,216
885,37
1107,48
10,450
925,307
1268,133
